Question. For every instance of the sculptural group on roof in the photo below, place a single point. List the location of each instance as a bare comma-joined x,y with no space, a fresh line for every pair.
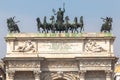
60,24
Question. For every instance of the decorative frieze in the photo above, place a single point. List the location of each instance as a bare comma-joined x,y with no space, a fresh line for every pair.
24,64
59,64
95,63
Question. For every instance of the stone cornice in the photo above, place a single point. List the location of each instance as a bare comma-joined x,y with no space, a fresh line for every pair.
42,58
50,36
98,58
23,58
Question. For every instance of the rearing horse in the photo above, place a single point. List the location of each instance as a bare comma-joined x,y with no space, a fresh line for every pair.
12,26
53,24
75,25
107,26
46,27
39,24
67,24
81,24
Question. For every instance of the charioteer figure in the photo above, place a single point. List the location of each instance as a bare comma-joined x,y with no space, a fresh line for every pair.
60,14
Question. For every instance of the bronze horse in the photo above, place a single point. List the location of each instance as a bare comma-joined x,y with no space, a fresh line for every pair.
39,25
44,27
12,26
58,26
107,25
67,25
53,24
77,25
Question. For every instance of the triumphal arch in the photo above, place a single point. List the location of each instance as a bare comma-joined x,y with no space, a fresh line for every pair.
59,56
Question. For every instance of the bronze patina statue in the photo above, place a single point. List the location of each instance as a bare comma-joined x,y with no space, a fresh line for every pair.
60,14
60,24
107,25
59,21
12,26
76,25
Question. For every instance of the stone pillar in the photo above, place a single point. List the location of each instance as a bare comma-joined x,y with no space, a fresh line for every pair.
108,75
37,75
82,75
10,75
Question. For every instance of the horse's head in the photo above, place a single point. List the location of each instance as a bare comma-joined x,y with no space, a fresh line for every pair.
45,19
52,18
75,20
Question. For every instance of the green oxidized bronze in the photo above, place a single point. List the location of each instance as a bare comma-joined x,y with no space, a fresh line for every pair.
60,24
107,25
12,26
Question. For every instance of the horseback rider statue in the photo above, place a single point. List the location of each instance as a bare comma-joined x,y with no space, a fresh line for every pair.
107,25
12,26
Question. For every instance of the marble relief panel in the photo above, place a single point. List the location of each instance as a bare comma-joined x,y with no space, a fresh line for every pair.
24,46
96,46
59,64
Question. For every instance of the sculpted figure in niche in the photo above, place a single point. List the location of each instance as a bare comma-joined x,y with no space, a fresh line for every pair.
28,46
92,46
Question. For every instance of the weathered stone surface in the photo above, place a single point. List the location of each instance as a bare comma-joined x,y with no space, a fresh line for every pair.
54,56
82,44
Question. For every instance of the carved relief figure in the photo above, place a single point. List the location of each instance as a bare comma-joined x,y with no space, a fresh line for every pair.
92,46
28,46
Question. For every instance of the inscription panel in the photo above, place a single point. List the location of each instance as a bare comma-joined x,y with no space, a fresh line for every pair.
58,46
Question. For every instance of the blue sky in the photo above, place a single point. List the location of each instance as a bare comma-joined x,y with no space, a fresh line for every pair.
28,10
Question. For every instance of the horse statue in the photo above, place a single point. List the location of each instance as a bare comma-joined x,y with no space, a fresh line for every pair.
39,25
74,25
12,26
53,24
81,24
107,25
45,25
67,24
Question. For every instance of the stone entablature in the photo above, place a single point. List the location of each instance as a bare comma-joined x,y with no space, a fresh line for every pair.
56,56
74,68
44,45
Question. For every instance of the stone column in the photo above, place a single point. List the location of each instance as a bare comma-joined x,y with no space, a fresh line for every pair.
82,75
10,75
37,75
108,75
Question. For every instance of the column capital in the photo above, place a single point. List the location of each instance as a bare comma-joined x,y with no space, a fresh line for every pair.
37,74
11,73
82,72
60,74
108,72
